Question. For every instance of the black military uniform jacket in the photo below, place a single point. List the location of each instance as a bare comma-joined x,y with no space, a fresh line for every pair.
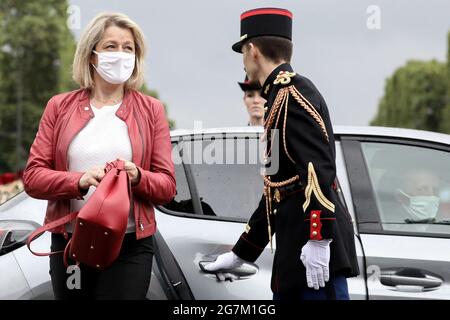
300,200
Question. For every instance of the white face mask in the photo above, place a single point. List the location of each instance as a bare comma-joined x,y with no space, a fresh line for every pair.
115,67
422,207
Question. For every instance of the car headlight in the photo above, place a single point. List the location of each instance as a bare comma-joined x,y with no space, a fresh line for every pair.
14,234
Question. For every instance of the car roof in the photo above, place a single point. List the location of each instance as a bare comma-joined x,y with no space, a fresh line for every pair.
365,131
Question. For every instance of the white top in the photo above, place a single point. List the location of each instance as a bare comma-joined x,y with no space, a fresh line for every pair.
104,138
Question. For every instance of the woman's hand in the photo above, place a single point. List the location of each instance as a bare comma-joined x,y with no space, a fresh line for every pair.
91,177
132,171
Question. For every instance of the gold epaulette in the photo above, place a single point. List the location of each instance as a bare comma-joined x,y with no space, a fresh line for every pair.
284,77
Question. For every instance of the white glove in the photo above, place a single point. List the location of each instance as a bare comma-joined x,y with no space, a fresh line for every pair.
225,261
315,257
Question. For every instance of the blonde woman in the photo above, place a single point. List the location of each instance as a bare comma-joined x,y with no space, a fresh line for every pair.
106,119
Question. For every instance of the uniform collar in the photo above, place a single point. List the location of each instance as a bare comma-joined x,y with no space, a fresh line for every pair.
268,84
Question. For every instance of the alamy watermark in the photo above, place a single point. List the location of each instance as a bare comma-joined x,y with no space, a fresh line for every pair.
230,148
73,17
74,280
374,19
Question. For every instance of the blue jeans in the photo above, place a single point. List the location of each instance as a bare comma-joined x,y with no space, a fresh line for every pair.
335,289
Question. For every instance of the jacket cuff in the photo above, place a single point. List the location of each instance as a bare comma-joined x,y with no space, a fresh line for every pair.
75,179
320,225
139,177
247,250
138,188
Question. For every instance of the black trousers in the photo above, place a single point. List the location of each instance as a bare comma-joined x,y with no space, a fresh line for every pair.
128,278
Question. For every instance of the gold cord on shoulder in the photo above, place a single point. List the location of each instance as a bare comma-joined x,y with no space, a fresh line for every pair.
308,108
284,130
275,111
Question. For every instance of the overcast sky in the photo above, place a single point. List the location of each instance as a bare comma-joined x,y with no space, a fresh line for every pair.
191,64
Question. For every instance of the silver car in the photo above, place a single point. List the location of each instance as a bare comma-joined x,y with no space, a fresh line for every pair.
219,184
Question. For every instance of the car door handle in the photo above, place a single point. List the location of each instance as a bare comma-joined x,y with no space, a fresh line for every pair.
244,271
410,279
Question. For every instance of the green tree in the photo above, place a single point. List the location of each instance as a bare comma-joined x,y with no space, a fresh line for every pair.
34,45
415,97
155,94
445,123
36,53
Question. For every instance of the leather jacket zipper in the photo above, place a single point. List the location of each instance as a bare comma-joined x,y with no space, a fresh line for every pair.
138,121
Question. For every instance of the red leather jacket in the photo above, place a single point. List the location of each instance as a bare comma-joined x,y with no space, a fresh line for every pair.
46,175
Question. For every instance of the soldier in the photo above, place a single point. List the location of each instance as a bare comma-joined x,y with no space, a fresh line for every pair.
300,201
253,101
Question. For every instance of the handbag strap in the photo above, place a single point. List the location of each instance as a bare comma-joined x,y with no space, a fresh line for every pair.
39,231
117,164
66,254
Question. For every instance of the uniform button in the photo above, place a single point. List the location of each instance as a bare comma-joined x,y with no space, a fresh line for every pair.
314,216
314,233
86,108
275,211
314,225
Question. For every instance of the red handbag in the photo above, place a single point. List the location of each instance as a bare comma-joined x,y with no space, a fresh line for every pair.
100,225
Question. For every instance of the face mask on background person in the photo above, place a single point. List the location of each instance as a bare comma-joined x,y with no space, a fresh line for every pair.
422,207
115,67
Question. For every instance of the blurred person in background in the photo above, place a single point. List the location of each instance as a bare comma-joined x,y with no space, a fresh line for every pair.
253,102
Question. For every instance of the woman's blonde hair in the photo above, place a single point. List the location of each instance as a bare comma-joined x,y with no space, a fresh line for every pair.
82,68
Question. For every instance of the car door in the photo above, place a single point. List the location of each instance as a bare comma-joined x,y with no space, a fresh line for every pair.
24,276
218,187
394,183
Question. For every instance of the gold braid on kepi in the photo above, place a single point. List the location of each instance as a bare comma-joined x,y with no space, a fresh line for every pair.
308,108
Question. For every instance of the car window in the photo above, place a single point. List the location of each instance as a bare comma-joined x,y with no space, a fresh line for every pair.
183,200
225,176
411,185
